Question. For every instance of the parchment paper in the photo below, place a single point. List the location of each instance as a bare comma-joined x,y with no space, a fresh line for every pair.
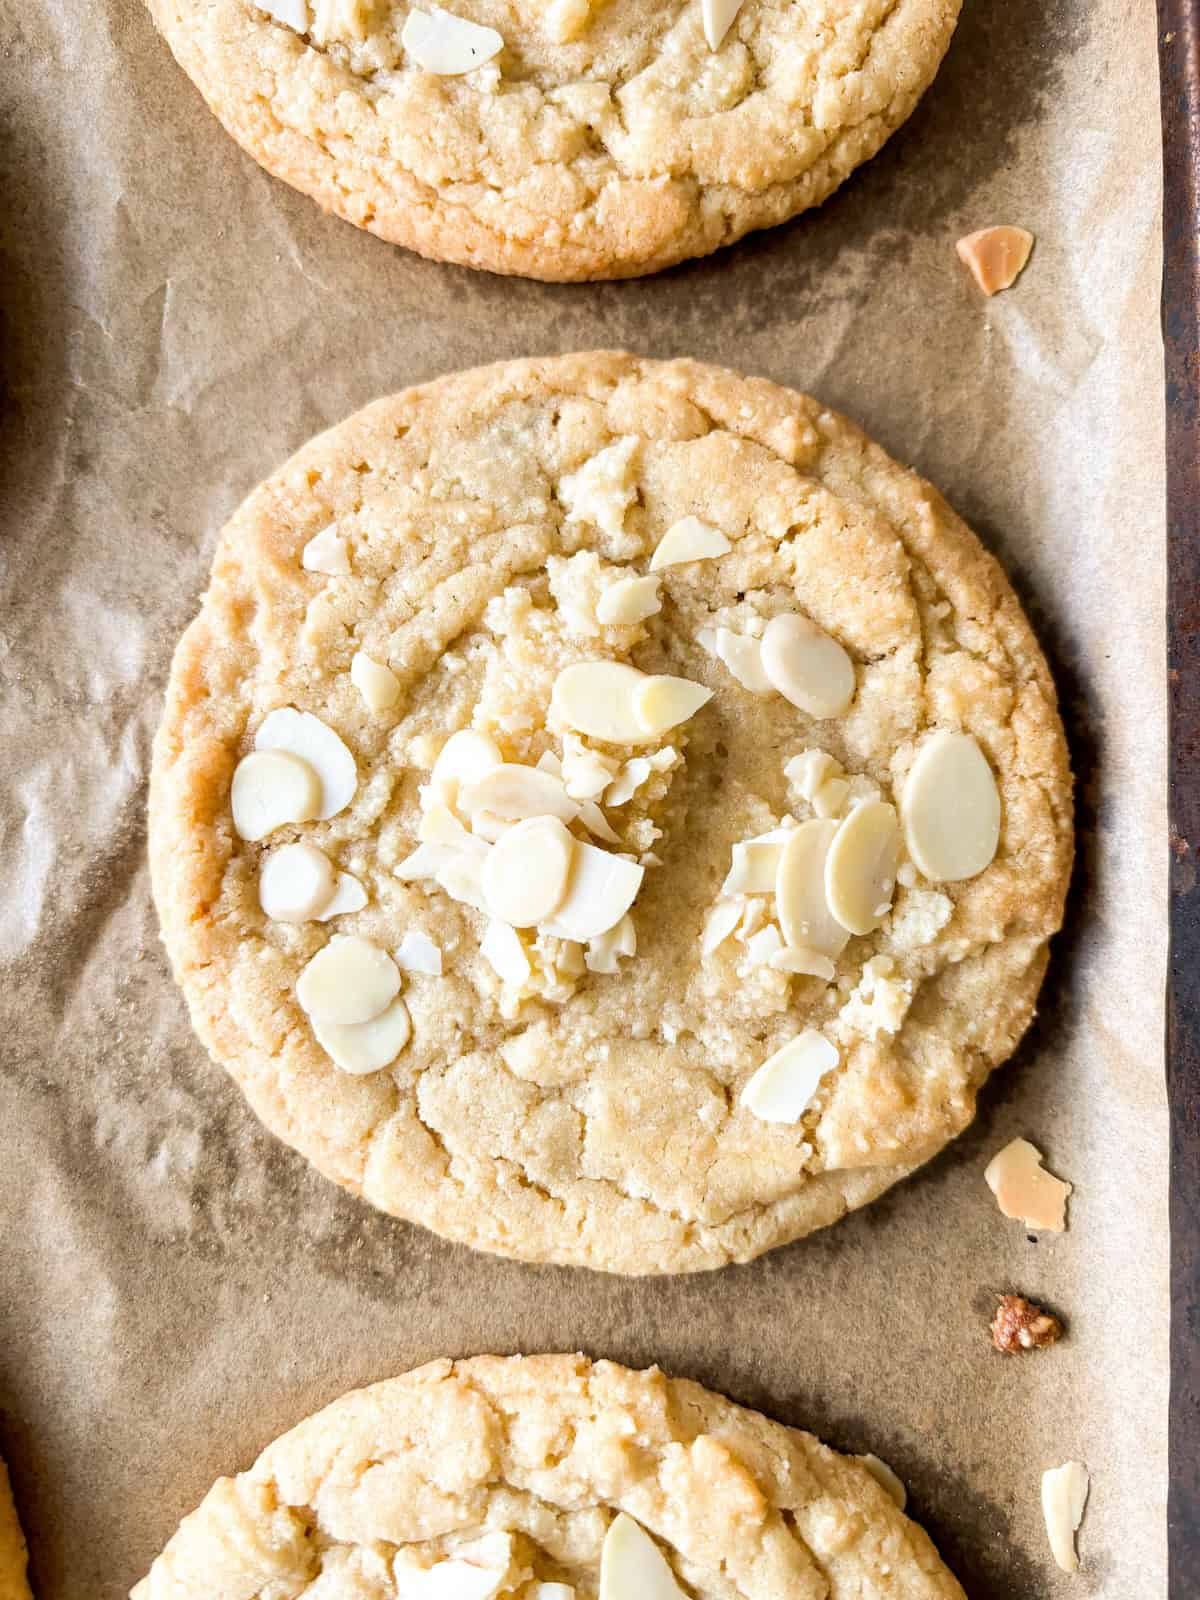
176,1288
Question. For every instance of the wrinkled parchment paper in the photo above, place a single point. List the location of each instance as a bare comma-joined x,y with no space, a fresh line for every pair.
175,1287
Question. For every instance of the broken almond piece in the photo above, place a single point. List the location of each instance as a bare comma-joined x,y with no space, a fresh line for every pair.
632,1567
596,698
628,600
951,808
754,868
808,963
1064,1495
1020,1325
781,1089
800,900
301,734
447,45
662,702
860,869
417,952
503,951
295,882
996,256
807,666
1025,1190
513,792
718,17
525,876
364,1047
271,788
602,952
326,552
465,757
350,980
378,685
723,919
689,539
742,655
449,1579
348,895
600,890
886,1479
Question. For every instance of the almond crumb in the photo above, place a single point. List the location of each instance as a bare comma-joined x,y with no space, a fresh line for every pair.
1019,1325
995,256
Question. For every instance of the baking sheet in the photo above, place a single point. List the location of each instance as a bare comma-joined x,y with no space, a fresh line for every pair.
175,1288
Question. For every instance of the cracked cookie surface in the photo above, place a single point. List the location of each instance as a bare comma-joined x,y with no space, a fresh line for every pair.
582,1108
621,150
507,1473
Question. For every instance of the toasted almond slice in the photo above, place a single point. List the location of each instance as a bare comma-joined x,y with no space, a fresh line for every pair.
426,861
808,963
514,792
662,702
722,920
447,45
600,890
886,1479
327,551
781,1089
525,875
270,789
503,951
807,666
718,18
803,910
295,882
602,952
754,869
1024,1189
465,757
632,1567
689,539
417,952
860,869
996,256
301,734
743,656
1064,1495
596,698
363,1047
951,808
378,685
348,895
628,600
350,980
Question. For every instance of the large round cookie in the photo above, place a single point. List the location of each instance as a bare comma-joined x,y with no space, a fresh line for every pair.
602,139
547,1478
614,1099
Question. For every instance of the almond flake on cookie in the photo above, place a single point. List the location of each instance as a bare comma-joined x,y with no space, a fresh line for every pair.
348,896
377,684
783,1087
448,45
326,552
417,952
627,601
270,789
689,539
301,734
719,16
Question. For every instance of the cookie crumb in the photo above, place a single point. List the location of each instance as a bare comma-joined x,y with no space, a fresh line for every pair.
1019,1325
996,256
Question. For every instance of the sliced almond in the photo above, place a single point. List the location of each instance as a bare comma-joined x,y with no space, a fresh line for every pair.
596,823
449,1580
743,656
465,757
1024,1189
327,551
689,539
632,1567
754,869
600,890
830,798
951,808
503,951
525,876
295,882
781,1089
807,963
804,914
426,861
417,952
662,702
1064,1495
514,792
439,826
490,828
763,946
886,1479
628,600
602,953
462,879
270,789
718,18
350,980
378,685
447,45
596,698
810,771
586,774
301,734
807,666
348,895
722,920
628,781
549,762
860,869
362,1047
996,256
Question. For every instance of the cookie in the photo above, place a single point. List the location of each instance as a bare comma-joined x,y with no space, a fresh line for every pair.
608,812
561,139
549,1478
13,1555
